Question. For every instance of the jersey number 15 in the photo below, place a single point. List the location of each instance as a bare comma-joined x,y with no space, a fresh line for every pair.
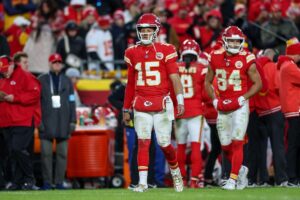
150,75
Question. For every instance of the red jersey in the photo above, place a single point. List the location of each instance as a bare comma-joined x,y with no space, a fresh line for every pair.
192,80
231,72
149,68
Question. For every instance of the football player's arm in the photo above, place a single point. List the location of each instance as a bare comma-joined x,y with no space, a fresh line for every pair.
208,83
256,79
178,89
129,94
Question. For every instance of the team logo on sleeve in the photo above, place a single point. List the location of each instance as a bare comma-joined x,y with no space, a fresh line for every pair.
147,103
159,56
238,64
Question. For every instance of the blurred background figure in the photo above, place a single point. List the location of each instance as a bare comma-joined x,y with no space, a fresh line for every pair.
74,75
20,93
58,122
71,47
17,34
47,24
99,45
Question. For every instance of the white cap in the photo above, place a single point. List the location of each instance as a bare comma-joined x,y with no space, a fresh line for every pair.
72,72
21,21
78,2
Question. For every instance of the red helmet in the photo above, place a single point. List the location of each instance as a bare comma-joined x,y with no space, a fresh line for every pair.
233,33
148,20
189,46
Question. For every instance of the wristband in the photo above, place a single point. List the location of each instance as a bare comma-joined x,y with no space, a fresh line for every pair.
180,99
126,110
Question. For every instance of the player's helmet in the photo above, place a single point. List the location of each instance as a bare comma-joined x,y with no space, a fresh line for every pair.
229,36
189,46
148,20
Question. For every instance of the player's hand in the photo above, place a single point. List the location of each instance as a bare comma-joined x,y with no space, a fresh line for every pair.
9,98
241,100
126,118
215,103
180,110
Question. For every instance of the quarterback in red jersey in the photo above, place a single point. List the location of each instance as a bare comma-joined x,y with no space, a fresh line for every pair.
192,70
233,66
152,68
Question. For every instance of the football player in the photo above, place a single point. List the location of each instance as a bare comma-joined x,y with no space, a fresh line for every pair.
152,72
192,70
232,65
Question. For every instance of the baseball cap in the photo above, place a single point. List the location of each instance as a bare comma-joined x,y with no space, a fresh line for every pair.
55,57
5,61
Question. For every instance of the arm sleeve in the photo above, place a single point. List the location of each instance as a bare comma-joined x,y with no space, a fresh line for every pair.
170,60
130,87
72,103
30,94
294,74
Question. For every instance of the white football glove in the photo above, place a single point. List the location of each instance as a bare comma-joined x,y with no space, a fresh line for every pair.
215,103
241,100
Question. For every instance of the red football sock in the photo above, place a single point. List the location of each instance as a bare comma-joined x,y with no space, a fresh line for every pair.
227,150
143,154
170,156
181,156
237,157
196,159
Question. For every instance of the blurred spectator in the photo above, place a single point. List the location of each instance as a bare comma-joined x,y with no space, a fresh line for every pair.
1,17
99,44
253,28
207,35
106,7
90,16
293,12
181,23
15,7
71,47
21,59
17,34
74,11
119,36
289,91
4,46
18,102
277,30
58,121
74,75
166,33
131,10
131,35
227,9
47,24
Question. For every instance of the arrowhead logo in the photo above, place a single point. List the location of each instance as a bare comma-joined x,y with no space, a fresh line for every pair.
147,103
227,101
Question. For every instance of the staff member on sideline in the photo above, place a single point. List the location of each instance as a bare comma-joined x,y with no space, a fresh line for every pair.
19,95
58,121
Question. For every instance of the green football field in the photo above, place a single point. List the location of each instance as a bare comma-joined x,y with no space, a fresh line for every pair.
156,194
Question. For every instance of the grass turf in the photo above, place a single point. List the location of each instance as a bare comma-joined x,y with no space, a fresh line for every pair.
156,194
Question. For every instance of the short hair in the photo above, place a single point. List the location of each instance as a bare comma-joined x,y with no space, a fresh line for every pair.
17,56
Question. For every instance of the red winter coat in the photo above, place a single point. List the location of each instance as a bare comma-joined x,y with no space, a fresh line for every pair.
26,90
289,86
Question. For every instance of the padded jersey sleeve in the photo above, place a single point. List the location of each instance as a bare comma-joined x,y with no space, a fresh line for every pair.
170,59
130,87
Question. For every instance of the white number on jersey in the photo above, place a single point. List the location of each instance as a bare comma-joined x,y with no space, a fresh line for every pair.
187,83
234,79
152,75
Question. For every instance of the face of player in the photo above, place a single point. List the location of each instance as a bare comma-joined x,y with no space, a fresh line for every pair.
146,35
234,45
56,66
